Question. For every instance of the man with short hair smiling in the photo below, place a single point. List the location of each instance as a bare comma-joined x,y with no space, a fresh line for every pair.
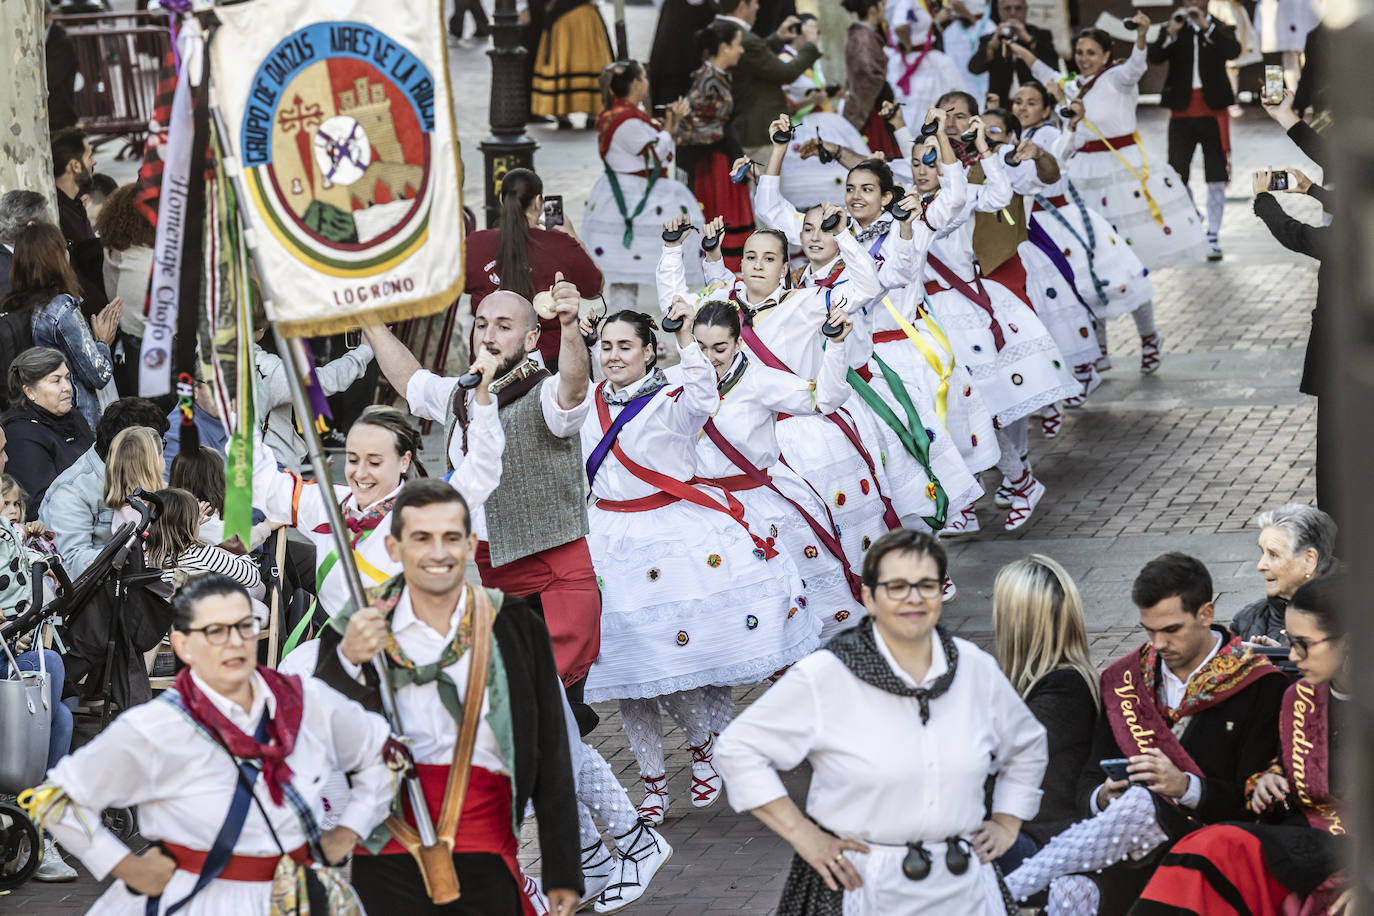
434,627
1192,714
232,737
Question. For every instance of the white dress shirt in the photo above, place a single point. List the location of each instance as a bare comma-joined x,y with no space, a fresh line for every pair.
428,724
430,395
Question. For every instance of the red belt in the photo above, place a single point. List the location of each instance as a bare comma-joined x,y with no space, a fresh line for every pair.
642,504
240,868
889,336
1197,108
1057,201
933,287
731,484
1100,146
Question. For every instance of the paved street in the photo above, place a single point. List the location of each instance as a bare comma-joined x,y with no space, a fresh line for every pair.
1180,460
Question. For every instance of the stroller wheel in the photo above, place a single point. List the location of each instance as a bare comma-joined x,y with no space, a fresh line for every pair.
122,822
19,847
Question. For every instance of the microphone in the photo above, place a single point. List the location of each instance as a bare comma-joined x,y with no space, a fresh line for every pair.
469,380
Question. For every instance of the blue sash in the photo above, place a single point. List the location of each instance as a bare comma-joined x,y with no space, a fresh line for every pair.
603,448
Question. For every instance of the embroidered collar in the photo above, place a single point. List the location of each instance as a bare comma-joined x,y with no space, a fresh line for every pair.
519,373
733,374
647,385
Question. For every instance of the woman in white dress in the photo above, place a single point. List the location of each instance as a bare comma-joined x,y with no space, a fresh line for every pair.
1141,196
902,725
740,453
918,70
232,737
637,193
691,595
381,453
838,454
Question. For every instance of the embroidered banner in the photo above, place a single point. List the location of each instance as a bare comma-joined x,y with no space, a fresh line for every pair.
1303,737
340,117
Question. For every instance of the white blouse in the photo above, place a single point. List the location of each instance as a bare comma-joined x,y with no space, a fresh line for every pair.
1111,103
955,248
631,139
663,436
182,780
284,497
1053,141
878,774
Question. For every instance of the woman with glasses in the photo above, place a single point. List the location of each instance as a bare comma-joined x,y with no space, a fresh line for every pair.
902,725
224,770
1294,859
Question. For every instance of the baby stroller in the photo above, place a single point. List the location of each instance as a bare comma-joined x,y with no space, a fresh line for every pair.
25,701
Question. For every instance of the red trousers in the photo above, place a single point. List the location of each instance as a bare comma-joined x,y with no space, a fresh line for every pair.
1217,871
566,584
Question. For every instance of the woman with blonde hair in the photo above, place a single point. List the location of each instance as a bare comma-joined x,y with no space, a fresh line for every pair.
134,462
1042,648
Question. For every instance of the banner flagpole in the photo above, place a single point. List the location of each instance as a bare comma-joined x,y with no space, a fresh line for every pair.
300,402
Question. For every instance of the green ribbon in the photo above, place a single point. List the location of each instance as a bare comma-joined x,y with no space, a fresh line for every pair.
238,471
653,173
912,434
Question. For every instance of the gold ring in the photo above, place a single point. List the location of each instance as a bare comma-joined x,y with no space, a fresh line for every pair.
839,857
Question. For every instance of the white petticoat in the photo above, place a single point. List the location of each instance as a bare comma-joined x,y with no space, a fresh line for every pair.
686,603
1127,284
907,479
824,457
807,182
1109,188
827,595
1067,319
936,75
216,899
603,228
1028,372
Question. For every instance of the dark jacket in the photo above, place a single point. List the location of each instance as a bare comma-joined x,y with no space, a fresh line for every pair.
60,56
1230,742
1000,69
543,763
1216,45
6,261
758,80
1261,618
1062,702
41,446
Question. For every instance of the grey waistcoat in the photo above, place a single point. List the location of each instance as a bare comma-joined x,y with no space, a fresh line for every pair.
540,502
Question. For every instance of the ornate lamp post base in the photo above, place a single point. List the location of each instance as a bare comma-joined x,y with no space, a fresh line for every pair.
508,147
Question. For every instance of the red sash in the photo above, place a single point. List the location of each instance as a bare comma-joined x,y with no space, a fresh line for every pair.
1139,721
677,488
765,355
1303,732
978,297
610,119
1111,143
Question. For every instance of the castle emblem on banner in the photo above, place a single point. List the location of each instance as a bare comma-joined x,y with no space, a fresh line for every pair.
336,142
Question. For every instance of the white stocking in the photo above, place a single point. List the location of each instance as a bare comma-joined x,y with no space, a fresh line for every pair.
688,709
720,707
1145,319
1074,895
1216,205
644,727
621,296
587,833
1127,826
599,790
1012,440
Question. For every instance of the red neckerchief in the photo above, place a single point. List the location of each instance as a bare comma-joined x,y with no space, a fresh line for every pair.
826,282
281,728
1304,729
364,523
621,110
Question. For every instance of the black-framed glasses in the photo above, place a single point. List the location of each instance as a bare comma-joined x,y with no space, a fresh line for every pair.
1301,645
899,589
217,634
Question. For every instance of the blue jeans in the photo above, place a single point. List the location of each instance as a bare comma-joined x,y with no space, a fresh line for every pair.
60,738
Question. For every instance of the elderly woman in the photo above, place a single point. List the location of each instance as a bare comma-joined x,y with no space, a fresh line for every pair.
902,724
44,430
1297,544
232,737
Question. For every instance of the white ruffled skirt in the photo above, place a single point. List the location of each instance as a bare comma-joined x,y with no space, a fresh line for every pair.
603,228
1124,280
687,601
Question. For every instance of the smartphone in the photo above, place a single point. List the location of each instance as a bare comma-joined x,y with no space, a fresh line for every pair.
553,210
1115,768
1273,84
660,111
353,338
1278,181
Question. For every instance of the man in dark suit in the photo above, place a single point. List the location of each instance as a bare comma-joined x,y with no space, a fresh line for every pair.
993,58
1196,47
759,76
60,60
17,210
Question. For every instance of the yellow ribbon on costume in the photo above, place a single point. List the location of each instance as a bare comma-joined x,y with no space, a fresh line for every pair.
367,569
927,351
46,802
1142,176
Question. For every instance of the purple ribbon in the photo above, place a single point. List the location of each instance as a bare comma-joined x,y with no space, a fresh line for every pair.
1041,239
603,448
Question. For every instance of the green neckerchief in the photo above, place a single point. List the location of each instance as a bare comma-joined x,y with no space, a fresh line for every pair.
912,433
652,174
498,717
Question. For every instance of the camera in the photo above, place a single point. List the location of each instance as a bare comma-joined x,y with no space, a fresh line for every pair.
1179,16
1129,24
1278,181
1006,33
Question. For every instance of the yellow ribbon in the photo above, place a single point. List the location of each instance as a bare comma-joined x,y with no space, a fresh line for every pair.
1142,176
367,569
46,802
927,351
